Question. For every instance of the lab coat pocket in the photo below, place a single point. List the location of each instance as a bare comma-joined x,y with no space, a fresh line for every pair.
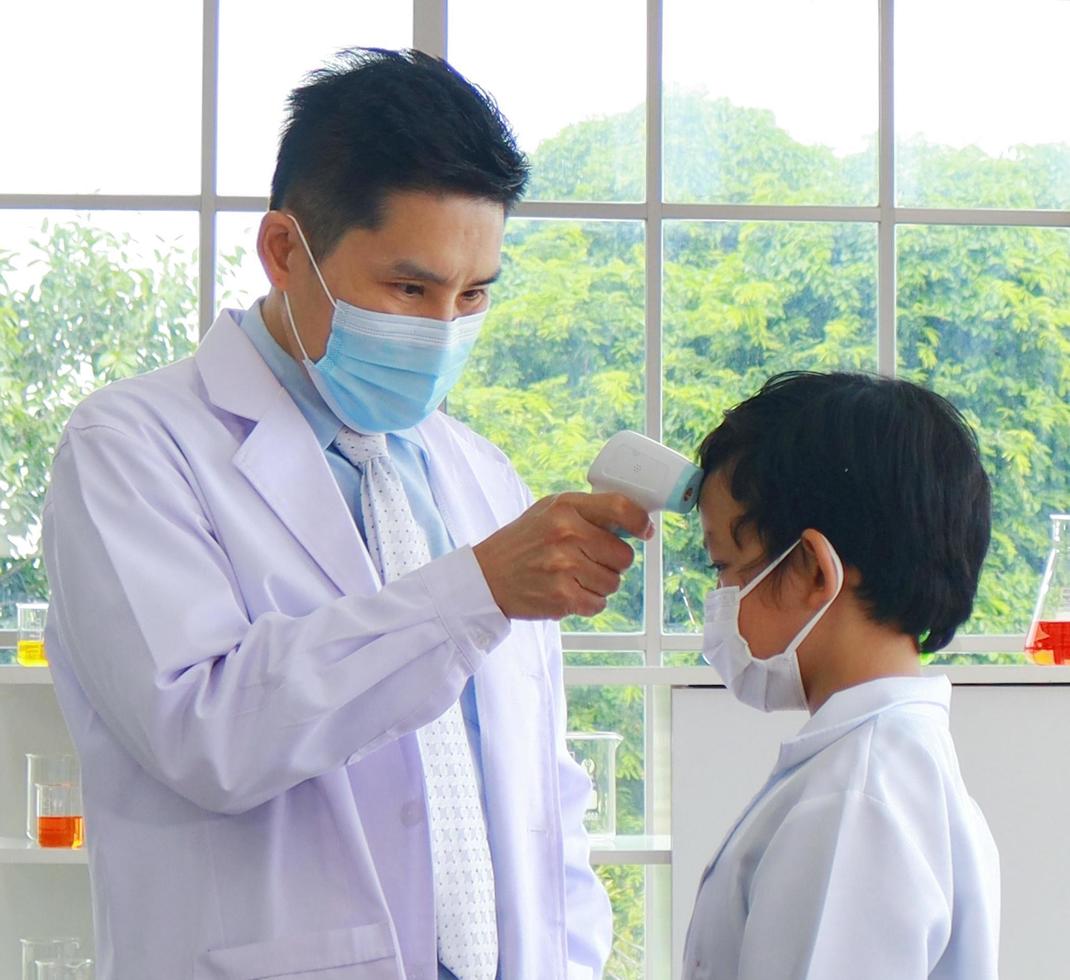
363,953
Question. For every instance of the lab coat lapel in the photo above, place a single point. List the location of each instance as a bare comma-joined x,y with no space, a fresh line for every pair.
281,458
463,484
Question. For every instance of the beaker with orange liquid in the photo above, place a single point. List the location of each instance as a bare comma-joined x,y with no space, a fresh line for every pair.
54,801
1048,640
30,646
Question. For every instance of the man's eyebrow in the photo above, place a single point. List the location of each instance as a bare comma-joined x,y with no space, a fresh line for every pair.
413,270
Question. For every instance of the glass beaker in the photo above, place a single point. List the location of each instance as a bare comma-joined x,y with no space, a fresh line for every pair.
30,646
63,969
597,753
47,770
34,950
1048,641
59,815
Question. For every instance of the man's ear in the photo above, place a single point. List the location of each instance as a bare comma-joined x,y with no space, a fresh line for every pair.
275,243
825,575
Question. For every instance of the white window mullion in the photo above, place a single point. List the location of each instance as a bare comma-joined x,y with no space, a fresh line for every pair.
886,285
209,153
429,32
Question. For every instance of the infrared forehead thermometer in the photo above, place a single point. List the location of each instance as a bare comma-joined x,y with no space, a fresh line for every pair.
646,472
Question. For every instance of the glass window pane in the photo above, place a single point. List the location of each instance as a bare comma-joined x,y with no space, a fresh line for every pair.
101,97
574,92
980,103
84,299
743,301
265,50
559,366
609,708
239,276
603,658
984,319
771,102
626,886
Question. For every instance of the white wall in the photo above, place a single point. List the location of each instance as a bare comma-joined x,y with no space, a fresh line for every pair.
36,900
1014,748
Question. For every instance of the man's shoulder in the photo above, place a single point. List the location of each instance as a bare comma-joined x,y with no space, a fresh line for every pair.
132,403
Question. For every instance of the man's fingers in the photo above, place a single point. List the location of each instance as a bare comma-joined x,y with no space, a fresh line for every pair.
588,603
613,511
607,549
597,579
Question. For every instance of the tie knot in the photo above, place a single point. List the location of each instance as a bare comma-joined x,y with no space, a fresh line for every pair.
359,447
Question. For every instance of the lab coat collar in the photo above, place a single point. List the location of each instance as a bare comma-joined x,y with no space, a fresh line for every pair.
235,376
849,708
281,458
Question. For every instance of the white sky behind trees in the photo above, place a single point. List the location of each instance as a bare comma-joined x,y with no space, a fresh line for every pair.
107,96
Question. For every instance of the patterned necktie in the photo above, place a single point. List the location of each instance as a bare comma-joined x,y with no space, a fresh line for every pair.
460,855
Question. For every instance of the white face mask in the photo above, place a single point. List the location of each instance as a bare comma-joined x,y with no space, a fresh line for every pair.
771,684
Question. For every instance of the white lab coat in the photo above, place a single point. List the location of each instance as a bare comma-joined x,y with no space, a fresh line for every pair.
243,695
862,858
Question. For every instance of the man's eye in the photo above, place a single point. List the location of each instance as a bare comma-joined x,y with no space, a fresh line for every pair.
474,295
411,288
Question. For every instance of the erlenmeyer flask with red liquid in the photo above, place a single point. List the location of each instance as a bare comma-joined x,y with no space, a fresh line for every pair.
1048,641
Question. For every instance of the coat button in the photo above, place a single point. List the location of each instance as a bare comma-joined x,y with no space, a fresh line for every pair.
412,813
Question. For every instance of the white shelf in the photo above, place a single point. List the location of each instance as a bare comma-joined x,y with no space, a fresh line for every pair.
15,674
638,849
633,849
20,850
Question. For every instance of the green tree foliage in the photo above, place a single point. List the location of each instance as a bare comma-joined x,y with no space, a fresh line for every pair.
96,314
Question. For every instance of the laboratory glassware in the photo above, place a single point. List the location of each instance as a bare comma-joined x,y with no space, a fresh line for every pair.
45,949
596,752
30,646
1048,640
59,815
63,969
47,770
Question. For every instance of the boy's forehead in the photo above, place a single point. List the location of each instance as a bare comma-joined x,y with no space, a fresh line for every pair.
718,509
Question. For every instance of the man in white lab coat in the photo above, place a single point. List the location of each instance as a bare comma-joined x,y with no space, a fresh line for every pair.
256,630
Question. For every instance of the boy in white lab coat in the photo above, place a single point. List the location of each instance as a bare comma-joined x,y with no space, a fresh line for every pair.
847,517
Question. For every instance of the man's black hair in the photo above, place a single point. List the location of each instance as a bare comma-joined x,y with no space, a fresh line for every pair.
889,472
377,121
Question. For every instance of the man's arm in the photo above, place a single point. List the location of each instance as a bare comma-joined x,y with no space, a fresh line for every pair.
226,709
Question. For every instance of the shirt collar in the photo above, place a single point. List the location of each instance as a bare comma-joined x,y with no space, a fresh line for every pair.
294,378
853,706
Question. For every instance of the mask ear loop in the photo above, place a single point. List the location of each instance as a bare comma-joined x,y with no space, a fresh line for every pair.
319,275
816,618
308,252
766,572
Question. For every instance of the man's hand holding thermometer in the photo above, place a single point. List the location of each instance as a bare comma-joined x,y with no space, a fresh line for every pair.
563,555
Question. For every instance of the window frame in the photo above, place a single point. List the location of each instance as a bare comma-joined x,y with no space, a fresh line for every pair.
430,33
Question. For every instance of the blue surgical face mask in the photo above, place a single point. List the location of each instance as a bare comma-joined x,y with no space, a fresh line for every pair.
383,372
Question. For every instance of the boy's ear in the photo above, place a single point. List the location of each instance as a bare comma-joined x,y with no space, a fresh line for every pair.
826,577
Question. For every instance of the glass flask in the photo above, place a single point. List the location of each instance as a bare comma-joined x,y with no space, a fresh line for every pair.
597,753
1048,641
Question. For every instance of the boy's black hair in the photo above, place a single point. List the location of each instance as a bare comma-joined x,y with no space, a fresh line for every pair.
378,121
889,472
